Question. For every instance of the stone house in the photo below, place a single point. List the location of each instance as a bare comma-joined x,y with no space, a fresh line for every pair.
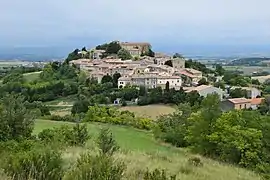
205,90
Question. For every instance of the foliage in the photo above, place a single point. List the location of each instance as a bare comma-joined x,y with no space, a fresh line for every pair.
115,78
202,125
169,63
158,175
112,115
198,66
39,164
173,128
100,167
37,105
235,79
106,143
16,121
177,55
106,79
219,70
124,54
238,93
73,56
75,135
203,81
80,106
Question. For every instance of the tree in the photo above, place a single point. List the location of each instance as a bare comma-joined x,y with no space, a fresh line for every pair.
84,49
173,128
124,54
107,78
115,77
113,48
203,81
16,121
73,56
167,86
80,106
202,125
169,63
177,55
238,93
235,141
255,81
219,70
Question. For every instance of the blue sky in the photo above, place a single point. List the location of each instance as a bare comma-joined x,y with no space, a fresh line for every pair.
161,22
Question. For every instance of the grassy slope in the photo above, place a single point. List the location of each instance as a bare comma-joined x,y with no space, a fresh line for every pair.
141,151
31,76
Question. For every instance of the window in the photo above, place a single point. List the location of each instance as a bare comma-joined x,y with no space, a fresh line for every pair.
160,82
178,81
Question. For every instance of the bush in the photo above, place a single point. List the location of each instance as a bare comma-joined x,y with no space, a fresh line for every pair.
112,115
39,164
100,167
66,118
76,135
158,175
195,161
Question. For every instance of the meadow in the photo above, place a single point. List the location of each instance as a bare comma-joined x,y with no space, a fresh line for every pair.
140,151
31,76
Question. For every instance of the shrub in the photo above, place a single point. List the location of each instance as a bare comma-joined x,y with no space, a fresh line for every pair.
100,167
106,143
195,161
76,135
114,116
39,164
158,175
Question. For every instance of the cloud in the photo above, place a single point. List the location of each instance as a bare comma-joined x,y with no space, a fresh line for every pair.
181,21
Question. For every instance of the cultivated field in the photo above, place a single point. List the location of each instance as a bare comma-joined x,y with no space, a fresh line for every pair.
151,111
248,70
140,151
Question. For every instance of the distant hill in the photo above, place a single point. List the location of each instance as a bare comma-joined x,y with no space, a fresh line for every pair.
251,61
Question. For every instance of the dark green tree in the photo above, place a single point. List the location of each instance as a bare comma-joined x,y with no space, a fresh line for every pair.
169,63
124,54
203,81
219,70
115,77
107,79
177,55
16,121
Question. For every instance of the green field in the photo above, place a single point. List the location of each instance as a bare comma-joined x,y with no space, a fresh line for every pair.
31,76
140,151
151,111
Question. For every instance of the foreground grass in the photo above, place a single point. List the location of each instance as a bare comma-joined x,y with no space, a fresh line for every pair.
139,150
151,111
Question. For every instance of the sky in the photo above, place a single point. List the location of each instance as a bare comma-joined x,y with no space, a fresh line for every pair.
164,23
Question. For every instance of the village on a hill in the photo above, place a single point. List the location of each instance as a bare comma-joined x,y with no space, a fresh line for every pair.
139,66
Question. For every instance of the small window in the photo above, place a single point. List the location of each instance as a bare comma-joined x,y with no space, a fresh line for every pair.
178,81
160,82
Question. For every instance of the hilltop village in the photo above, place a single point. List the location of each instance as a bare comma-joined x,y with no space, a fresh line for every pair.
139,66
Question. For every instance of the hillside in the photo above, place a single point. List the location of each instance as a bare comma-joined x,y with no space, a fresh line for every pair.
252,61
140,151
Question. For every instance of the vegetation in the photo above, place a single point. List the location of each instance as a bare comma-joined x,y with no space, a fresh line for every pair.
239,137
124,54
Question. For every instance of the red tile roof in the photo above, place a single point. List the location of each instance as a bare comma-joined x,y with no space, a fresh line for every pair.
257,101
239,100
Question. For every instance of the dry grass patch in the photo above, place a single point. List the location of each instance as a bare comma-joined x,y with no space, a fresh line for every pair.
150,111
